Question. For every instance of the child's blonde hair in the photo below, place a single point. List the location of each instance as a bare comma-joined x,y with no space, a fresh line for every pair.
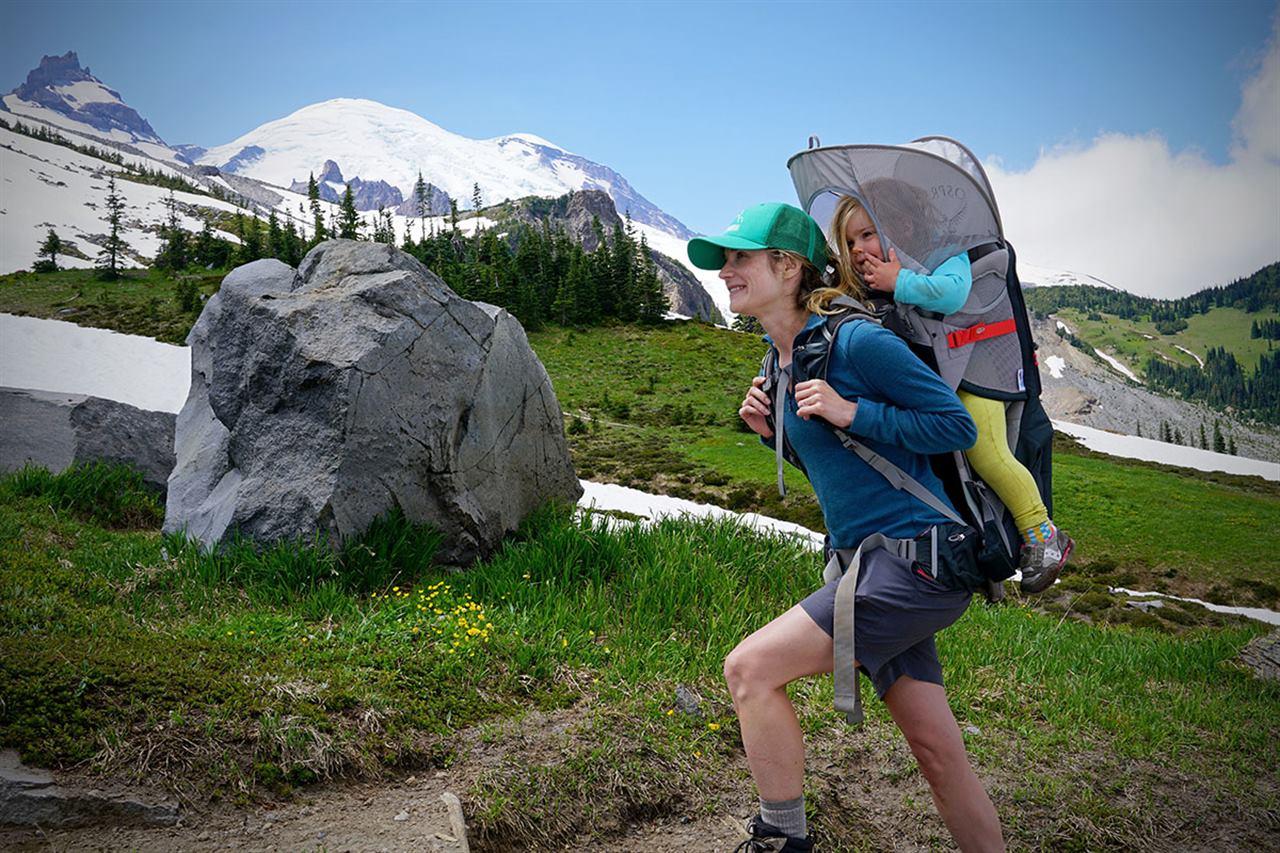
847,281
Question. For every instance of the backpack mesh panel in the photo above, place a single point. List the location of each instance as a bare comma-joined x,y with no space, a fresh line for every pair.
925,207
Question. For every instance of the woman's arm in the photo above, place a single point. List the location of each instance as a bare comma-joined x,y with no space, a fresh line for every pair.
916,409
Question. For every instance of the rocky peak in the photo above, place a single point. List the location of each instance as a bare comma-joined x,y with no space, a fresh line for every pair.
59,84
53,71
330,172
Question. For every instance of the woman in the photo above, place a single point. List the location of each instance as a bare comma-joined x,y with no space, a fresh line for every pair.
771,259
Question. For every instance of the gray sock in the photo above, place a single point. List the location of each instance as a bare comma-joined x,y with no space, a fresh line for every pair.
787,815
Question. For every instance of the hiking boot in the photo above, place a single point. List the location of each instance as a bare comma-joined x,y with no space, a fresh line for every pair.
769,839
1042,562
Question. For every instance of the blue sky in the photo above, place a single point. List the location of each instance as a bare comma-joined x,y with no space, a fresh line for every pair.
697,104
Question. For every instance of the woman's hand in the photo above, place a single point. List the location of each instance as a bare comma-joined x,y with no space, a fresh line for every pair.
755,408
879,275
816,397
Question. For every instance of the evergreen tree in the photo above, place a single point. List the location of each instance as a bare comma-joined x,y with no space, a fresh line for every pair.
1204,442
420,201
348,219
1177,435
1219,443
48,253
476,198
735,325
292,244
114,246
210,252
453,215
250,239
175,251
275,239
1166,434
317,214
653,300
1231,445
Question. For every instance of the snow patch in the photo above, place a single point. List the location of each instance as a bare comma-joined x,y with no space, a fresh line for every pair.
1199,360
1117,365
1151,450
1262,614
50,355
87,92
1064,327
1056,365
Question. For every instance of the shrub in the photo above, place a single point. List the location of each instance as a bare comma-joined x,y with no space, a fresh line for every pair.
111,494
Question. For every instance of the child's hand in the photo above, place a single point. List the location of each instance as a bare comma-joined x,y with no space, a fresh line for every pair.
881,275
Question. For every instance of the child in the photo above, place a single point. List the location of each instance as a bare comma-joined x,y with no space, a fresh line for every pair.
860,265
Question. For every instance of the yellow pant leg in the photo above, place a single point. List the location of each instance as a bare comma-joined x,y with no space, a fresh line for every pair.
993,461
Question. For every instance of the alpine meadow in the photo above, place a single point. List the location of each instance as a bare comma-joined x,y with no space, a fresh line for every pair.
453,521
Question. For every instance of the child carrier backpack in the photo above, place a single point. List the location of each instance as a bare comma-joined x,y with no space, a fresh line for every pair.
931,200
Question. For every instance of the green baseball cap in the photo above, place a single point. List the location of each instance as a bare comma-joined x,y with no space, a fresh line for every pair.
763,226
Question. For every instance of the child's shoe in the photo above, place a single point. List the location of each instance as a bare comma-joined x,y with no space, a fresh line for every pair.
1042,562
766,838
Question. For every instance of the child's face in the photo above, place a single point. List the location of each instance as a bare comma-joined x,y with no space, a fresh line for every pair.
861,236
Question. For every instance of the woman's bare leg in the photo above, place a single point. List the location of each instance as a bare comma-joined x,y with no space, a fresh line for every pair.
758,671
921,711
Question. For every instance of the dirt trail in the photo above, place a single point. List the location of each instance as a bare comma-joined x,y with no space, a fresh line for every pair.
394,815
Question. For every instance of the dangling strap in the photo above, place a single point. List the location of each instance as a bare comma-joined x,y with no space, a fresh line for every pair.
899,479
779,404
844,657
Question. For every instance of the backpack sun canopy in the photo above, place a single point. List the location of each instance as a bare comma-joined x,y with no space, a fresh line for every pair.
929,199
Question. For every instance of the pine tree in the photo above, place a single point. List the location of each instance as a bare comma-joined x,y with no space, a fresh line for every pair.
210,252
420,202
348,219
735,325
317,215
250,234
175,251
48,253
1177,435
275,239
653,300
114,246
1204,442
453,215
1231,445
1219,443
476,198
1166,434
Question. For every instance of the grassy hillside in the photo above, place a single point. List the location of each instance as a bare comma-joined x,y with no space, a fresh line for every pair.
1134,341
142,302
657,409
543,682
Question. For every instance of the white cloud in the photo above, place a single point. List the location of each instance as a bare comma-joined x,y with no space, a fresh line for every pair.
1149,220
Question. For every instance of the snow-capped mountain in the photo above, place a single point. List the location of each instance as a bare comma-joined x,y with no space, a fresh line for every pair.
1034,276
382,143
61,93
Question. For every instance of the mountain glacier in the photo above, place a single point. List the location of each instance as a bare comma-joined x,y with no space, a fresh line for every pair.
378,142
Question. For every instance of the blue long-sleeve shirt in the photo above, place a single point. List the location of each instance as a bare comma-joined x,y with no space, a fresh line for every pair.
944,290
905,412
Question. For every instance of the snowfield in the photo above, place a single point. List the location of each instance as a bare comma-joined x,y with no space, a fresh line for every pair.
52,186
50,355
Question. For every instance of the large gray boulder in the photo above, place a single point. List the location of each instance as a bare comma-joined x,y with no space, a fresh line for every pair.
325,397
56,430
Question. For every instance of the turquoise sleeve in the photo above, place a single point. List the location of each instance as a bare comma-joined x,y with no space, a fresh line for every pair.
944,290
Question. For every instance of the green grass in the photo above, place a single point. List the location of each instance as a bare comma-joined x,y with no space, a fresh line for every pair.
1136,341
254,671
1132,515
141,302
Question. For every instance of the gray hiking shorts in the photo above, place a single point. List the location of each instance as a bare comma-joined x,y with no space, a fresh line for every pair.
897,613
